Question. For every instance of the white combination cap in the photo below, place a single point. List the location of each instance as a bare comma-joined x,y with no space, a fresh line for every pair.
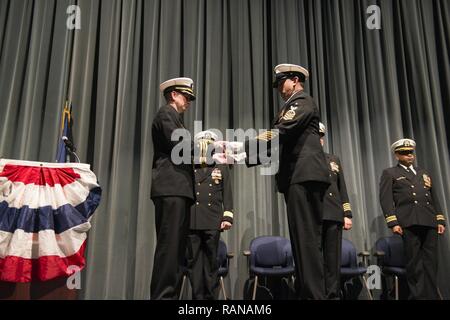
183,85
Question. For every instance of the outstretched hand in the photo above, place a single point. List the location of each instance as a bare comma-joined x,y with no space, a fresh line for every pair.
228,152
220,146
235,146
222,158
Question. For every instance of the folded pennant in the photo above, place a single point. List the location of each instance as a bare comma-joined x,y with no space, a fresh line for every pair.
45,213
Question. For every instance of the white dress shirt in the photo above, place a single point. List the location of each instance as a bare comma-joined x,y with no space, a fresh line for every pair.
409,168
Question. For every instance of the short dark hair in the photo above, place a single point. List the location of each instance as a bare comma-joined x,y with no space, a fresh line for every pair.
168,95
300,77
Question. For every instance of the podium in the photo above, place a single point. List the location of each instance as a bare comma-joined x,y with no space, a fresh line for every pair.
45,213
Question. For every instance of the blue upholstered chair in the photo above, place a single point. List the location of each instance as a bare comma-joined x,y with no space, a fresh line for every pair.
269,256
223,260
350,267
391,260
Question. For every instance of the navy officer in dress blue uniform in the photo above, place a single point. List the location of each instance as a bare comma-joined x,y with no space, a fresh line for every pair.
412,210
303,175
172,190
337,215
211,214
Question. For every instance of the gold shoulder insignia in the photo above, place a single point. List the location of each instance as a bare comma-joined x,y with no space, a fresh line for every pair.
290,114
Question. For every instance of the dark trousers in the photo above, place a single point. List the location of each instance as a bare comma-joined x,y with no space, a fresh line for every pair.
172,227
304,204
202,263
332,247
420,245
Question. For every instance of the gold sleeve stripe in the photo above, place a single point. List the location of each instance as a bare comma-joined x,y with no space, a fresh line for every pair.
347,207
391,218
228,214
203,147
440,217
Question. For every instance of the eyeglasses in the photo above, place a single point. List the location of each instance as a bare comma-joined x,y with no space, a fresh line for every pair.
187,96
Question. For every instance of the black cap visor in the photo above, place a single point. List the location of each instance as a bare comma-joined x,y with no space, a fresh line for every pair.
286,75
188,93
184,90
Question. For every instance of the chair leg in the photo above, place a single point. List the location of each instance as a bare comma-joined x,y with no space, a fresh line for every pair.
222,285
439,293
182,288
364,283
396,287
342,290
254,288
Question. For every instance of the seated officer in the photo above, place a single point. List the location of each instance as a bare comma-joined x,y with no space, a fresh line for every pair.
211,213
412,210
337,215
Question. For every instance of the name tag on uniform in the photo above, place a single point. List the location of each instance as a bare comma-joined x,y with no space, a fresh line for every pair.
400,178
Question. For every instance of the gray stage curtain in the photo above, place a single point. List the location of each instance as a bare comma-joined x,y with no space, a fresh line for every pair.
372,86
